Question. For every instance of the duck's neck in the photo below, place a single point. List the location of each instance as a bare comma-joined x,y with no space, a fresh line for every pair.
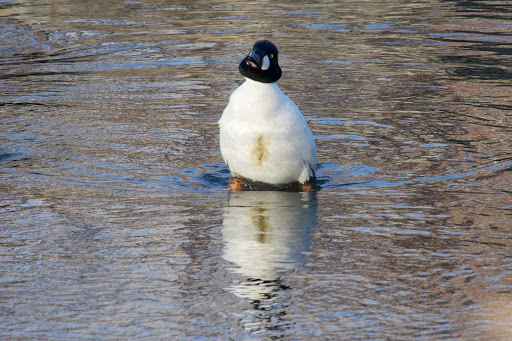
259,85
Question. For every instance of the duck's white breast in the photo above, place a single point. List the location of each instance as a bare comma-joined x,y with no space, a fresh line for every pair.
264,136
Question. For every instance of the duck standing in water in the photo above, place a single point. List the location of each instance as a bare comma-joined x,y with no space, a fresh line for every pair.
264,138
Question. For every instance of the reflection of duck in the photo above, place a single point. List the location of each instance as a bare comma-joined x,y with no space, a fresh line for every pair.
266,234
263,135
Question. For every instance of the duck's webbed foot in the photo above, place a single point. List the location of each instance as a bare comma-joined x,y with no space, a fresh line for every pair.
307,187
235,184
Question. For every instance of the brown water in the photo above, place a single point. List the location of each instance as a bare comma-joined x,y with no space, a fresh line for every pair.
116,222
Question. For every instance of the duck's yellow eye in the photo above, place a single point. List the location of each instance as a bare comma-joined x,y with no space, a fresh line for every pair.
271,56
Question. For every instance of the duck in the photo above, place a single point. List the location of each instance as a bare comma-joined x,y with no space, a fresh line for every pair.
264,138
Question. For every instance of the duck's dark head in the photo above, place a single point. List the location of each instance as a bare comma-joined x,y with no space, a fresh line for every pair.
261,64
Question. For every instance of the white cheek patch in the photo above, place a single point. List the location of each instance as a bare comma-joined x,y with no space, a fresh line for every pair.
265,63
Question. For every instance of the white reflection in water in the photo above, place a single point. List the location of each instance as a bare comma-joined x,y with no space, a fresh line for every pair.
266,235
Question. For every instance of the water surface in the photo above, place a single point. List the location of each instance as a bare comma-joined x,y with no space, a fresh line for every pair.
116,219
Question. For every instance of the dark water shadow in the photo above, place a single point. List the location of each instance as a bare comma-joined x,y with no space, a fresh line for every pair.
329,175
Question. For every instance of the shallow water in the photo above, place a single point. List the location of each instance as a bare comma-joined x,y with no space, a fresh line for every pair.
116,219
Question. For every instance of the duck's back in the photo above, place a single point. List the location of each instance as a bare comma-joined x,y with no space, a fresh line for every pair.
264,136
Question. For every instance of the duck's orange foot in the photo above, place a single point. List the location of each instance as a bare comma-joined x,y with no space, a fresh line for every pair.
235,184
307,187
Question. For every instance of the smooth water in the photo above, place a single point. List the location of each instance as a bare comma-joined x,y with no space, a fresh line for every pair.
116,222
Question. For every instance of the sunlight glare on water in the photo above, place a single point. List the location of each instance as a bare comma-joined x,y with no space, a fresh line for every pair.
116,221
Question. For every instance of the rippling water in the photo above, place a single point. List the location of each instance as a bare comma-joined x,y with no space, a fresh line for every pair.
116,219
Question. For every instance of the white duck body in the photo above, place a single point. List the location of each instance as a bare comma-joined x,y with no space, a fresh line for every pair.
264,136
